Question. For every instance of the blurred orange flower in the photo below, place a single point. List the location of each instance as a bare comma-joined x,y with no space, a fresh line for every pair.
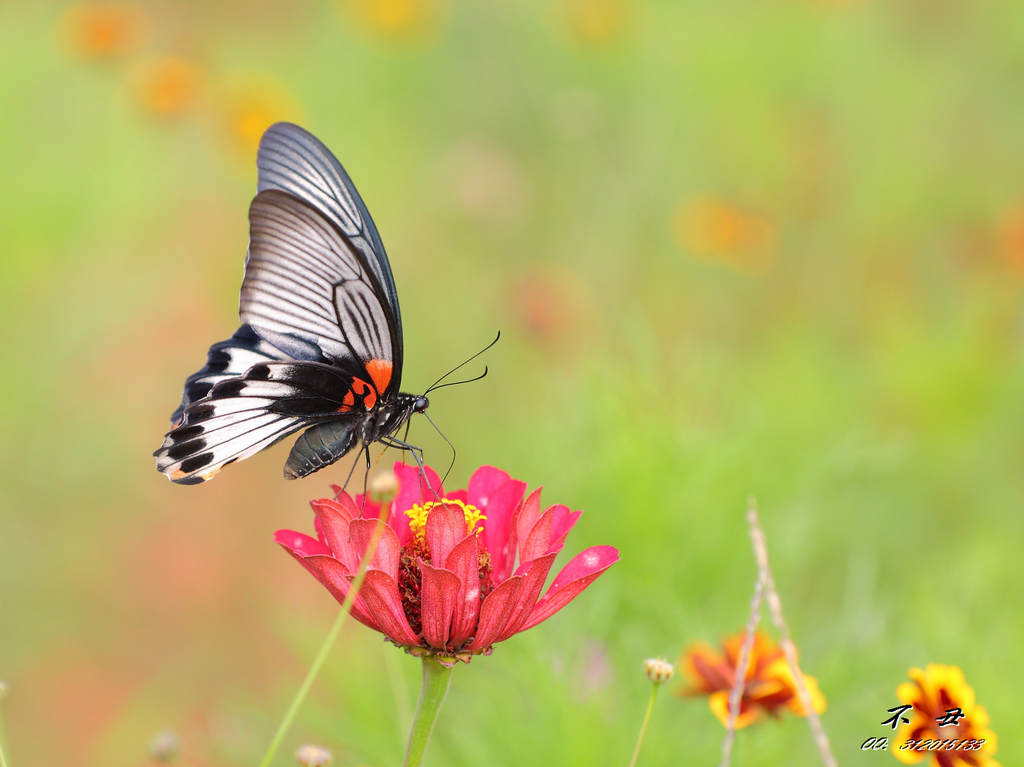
169,86
1011,236
395,19
252,104
715,229
768,686
944,709
102,30
597,21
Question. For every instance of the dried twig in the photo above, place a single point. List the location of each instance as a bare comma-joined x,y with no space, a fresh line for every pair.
775,607
736,694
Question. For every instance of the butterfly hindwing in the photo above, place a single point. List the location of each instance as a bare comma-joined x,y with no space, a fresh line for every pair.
226,359
244,414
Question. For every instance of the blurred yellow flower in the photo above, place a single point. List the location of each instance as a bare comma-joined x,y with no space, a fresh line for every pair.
768,687
944,710
169,86
251,104
102,30
597,21
715,229
395,19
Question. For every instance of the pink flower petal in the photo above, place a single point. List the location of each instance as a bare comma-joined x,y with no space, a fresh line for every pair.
388,552
464,561
499,509
484,481
331,573
412,488
300,543
334,518
536,543
533,582
368,508
525,519
384,603
563,522
439,596
581,571
495,612
446,526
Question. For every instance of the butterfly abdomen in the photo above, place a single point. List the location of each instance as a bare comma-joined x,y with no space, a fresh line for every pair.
320,446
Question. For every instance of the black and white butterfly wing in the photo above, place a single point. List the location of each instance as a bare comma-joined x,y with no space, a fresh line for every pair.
226,359
308,298
293,160
306,290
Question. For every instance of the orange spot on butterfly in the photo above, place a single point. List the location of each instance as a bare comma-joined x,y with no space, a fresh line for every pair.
380,374
347,402
177,474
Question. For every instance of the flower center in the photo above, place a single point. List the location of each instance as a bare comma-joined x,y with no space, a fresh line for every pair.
418,516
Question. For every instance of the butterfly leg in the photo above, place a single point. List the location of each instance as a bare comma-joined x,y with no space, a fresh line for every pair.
417,454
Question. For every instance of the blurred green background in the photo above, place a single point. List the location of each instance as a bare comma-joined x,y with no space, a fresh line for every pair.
734,248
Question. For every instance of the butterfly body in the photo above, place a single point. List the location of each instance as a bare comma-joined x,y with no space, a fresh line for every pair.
320,346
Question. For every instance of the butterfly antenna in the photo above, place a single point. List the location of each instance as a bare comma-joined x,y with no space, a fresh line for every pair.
456,383
435,384
454,454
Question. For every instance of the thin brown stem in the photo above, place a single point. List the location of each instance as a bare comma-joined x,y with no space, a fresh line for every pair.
736,694
760,544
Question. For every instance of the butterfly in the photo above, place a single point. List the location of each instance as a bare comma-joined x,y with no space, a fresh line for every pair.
320,346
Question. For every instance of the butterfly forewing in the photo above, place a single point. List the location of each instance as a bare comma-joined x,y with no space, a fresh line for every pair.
295,161
303,280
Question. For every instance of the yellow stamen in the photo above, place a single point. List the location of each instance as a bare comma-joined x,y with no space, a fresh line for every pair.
418,515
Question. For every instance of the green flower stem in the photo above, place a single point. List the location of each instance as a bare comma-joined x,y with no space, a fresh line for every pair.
436,679
325,648
643,727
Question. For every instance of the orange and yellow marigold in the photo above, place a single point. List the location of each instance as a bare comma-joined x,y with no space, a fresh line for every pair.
769,686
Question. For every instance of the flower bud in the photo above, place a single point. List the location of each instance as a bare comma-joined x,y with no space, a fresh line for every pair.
164,747
658,671
383,488
313,756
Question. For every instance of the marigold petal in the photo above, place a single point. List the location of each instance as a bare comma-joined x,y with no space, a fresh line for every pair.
388,551
485,481
500,507
464,561
748,714
909,755
581,571
706,670
495,612
439,596
534,577
445,527
300,543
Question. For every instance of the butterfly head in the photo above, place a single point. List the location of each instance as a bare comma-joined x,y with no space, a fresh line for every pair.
421,404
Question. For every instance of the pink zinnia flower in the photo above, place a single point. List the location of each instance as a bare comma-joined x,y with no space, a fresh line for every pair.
453,576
